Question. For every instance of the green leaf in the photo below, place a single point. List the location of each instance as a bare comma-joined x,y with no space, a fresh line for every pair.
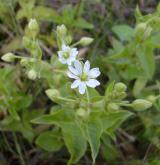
114,120
82,23
138,86
124,32
12,45
74,140
94,131
14,114
46,13
146,59
57,117
49,141
109,88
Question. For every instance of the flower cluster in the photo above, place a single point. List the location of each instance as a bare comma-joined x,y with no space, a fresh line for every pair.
81,72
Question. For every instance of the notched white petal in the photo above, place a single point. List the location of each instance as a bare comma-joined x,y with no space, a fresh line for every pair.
65,48
74,52
78,66
70,75
92,83
75,84
73,70
62,60
86,67
94,73
82,88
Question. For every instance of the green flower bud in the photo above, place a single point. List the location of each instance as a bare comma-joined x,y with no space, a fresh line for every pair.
151,98
81,113
53,94
118,95
32,74
62,30
112,107
9,57
33,25
143,31
27,42
141,104
24,61
84,41
120,87
141,27
68,39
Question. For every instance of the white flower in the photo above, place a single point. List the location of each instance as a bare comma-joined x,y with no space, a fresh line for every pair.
83,75
67,55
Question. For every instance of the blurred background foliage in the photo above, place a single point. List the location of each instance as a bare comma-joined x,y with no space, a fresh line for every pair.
122,53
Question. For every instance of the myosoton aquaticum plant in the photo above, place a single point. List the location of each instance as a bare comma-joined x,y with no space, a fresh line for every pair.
80,115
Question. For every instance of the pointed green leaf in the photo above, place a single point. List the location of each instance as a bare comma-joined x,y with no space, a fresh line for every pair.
94,131
124,32
74,140
114,120
139,85
13,113
57,117
49,141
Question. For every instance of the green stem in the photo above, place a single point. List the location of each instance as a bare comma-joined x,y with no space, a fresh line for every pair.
75,44
88,100
125,104
18,149
7,144
65,99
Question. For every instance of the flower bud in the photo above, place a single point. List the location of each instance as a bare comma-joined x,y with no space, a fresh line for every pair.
81,113
53,94
68,39
62,30
24,61
141,104
120,87
26,42
140,28
112,107
118,95
84,41
32,74
33,25
9,57
143,31
151,98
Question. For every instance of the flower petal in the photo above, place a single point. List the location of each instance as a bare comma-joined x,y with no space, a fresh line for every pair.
75,84
73,70
86,67
82,88
78,66
71,75
92,83
65,48
74,52
93,73
62,60
60,54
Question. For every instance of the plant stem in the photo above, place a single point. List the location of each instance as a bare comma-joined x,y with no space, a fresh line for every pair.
75,44
7,144
18,149
88,100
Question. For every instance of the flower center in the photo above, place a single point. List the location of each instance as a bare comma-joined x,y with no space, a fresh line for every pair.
84,77
66,55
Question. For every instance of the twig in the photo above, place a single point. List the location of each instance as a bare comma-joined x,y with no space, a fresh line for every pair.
48,51
146,154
